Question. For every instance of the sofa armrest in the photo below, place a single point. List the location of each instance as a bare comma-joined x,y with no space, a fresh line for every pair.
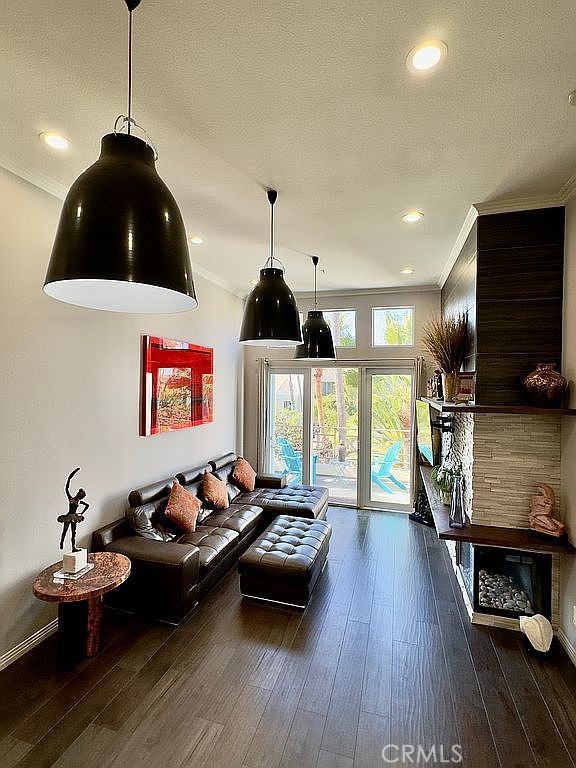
271,481
164,554
164,579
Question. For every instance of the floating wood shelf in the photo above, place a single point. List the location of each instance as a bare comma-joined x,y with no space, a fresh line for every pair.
486,535
528,410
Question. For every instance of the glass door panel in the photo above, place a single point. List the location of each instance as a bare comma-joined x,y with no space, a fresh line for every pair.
390,437
335,432
286,425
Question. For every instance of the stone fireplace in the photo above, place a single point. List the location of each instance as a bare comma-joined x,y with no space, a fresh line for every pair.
502,457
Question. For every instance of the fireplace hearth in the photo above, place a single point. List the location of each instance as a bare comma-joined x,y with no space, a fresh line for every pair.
508,582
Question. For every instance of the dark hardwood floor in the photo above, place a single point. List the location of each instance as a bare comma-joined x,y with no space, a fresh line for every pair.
384,654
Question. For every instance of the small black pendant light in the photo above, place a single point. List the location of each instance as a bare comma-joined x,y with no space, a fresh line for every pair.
271,317
318,343
121,243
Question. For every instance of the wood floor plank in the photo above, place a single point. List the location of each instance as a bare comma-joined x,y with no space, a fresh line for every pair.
474,732
12,751
330,760
320,680
543,735
342,719
231,750
92,749
303,742
377,684
373,736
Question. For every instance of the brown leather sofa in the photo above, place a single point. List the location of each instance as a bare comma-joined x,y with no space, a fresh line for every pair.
172,571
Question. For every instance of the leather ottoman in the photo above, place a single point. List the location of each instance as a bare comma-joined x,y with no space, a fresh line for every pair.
284,563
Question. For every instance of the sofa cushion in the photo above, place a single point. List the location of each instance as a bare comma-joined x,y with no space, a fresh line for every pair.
299,500
241,518
244,475
149,521
214,491
223,469
182,508
213,542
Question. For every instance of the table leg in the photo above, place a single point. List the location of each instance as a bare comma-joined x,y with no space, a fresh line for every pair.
94,626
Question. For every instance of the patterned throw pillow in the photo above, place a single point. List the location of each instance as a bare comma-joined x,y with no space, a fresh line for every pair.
214,491
182,508
244,475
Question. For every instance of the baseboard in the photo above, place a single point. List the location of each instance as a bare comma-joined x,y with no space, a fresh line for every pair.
567,645
27,645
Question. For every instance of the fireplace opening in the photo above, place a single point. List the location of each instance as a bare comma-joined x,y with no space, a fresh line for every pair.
512,583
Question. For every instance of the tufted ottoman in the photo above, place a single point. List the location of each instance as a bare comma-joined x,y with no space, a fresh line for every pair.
284,563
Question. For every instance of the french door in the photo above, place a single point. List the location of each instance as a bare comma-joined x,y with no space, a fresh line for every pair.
346,427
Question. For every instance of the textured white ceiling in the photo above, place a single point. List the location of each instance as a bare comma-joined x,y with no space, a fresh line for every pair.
311,97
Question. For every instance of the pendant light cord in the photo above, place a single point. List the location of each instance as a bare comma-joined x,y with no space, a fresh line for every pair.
130,72
315,261
272,196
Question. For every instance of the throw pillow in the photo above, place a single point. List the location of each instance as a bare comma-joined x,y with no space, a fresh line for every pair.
182,508
244,475
214,491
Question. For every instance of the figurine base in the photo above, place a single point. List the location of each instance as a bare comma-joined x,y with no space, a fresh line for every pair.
74,562
73,576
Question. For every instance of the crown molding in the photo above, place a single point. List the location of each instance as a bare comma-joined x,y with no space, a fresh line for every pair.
568,190
502,206
37,179
520,204
467,225
59,191
366,291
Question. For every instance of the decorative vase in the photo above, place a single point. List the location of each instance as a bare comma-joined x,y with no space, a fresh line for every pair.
450,386
545,386
457,514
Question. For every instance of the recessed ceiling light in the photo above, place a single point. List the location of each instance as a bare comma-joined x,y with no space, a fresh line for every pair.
196,240
411,217
407,271
55,140
426,56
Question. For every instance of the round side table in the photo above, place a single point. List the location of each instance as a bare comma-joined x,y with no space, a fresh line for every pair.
110,570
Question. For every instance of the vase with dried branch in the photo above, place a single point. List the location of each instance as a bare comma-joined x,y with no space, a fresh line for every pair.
447,339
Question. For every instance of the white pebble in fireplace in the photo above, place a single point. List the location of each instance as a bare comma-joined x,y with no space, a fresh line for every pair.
497,590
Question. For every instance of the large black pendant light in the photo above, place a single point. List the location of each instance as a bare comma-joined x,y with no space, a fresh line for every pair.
318,343
121,243
271,317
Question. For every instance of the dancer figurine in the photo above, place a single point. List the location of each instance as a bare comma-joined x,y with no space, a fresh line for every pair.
73,517
541,508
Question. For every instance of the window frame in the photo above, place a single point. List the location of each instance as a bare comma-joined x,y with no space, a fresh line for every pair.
392,346
345,309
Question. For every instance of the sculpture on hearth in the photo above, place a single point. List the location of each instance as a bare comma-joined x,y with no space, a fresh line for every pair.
541,509
73,516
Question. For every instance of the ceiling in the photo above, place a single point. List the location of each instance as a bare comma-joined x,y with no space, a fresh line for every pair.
311,97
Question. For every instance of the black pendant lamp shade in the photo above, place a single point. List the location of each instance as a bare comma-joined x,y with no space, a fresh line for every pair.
271,317
318,343
121,243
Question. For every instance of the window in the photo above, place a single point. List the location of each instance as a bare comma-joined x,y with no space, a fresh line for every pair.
392,326
342,322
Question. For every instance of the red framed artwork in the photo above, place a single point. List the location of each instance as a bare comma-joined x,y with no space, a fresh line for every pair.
176,385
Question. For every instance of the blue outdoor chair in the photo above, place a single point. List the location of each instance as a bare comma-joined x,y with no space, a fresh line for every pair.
293,460
426,451
382,474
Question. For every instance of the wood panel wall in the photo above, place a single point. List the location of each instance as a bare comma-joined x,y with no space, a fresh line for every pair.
509,277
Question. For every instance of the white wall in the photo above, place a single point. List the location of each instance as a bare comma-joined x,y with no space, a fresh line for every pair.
568,566
70,391
425,302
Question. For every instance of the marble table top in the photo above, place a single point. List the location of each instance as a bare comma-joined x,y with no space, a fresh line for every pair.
110,570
